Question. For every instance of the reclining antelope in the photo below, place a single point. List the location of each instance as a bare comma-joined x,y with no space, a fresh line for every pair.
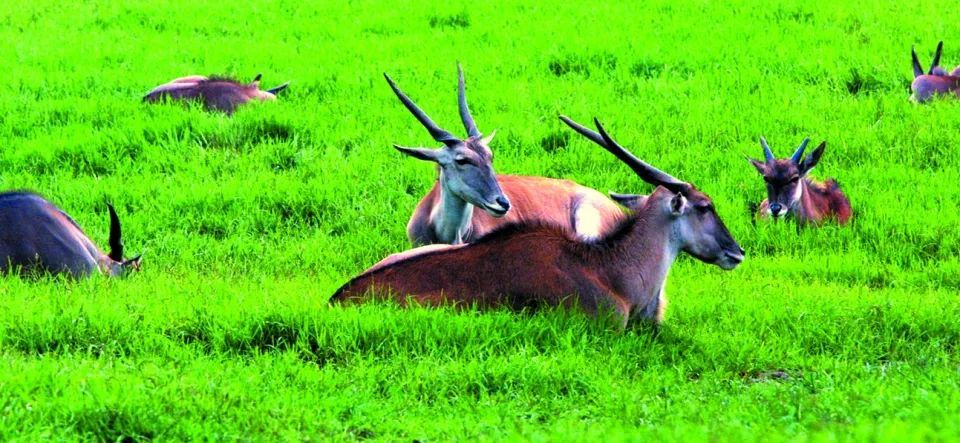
37,237
790,191
215,93
936,81
534,263
466,181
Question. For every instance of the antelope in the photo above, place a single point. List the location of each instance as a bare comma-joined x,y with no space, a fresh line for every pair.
216,93
790,191
936,81
466,180
37,236
533,263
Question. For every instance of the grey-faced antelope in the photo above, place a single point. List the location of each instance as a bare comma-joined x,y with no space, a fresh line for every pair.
936,81
534,263
790,191
215,93
466,181
37,237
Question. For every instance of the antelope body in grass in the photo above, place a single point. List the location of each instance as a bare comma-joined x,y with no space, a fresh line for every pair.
216,93
537,264
790,191
936,81
467,181
38,237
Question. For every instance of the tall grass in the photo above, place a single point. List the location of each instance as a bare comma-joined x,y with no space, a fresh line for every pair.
249,223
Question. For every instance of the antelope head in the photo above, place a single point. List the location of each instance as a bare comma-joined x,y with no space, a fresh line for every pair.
466,165
689,214
254,92
784,177
119,266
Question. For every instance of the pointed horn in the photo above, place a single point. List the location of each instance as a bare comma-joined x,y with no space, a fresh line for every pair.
256,79
436,132
468,122
767,153
917,69
276,90
798,154
936,57
116,245
646,172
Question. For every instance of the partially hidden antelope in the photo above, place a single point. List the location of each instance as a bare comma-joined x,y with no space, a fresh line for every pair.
535,263
791,192
215,93
37,237
936,81
466,181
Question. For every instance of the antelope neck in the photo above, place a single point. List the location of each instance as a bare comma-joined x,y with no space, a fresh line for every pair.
452,220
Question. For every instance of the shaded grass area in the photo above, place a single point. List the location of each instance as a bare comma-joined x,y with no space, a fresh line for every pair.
249,223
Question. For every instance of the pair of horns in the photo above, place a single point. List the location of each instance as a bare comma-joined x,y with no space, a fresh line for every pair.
796,157
645,171
917,69
439,134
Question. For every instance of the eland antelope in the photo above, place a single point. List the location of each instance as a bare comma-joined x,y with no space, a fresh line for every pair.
466,181
936,81
216,93
38,237
790,191
537,264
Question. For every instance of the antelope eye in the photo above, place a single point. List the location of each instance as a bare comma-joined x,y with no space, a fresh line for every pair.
461,161
794,179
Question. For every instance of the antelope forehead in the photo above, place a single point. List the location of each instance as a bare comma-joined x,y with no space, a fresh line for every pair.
480,149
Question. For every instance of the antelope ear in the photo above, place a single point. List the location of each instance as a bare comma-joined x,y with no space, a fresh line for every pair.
759,165
133,264
488,138
811,160
678,204
420,153
630,201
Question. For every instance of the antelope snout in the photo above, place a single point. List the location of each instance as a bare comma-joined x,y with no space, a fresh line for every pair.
499,207
732,258
503,202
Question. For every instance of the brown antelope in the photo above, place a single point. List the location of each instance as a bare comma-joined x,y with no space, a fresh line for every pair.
36,236
936,81
467,180
789,191
536,264
216,93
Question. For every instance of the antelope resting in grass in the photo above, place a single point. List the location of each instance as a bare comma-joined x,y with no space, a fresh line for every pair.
936,81
216,93
467,180
537,264
789,191
37,237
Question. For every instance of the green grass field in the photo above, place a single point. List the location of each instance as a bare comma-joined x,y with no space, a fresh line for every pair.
249,223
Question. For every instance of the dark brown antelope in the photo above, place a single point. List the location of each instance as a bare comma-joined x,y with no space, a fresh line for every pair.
936,81
790,191
536,264
215,93
37,237
466,180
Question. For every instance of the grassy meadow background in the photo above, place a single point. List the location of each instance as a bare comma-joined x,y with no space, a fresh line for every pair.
249,223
